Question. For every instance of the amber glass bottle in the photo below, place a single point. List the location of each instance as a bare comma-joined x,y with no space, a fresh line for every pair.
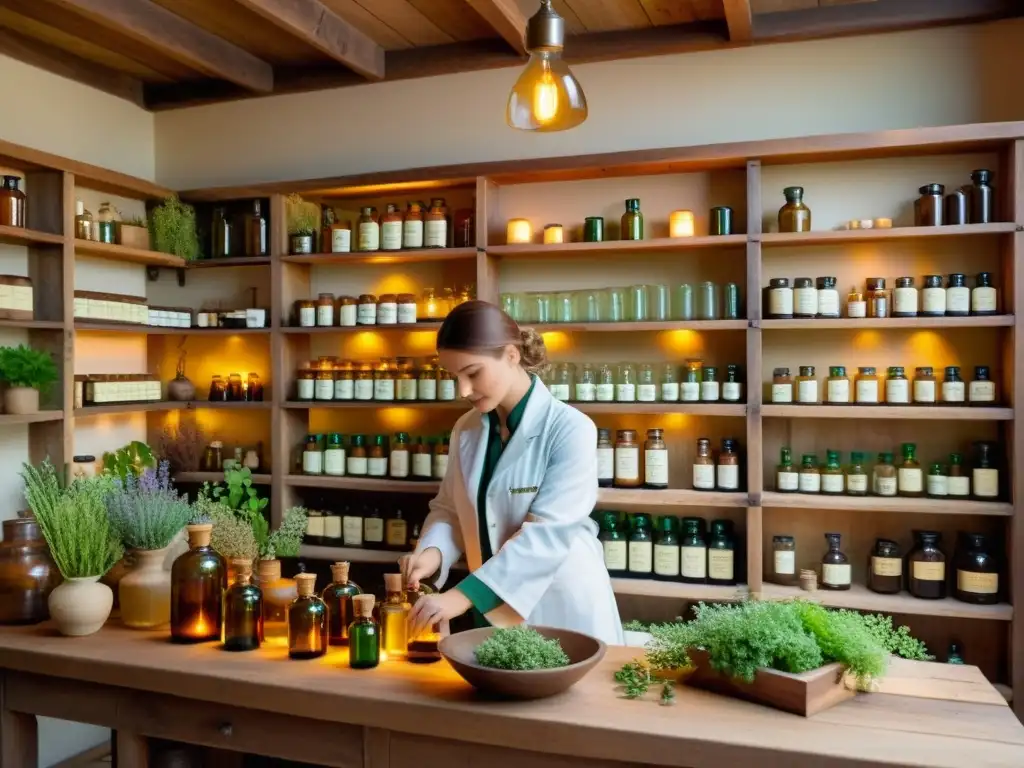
307,621
794,216
243,610
632,221
835,567
337,596
198,580
394,618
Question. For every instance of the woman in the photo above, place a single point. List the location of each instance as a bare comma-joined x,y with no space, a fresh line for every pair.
516,500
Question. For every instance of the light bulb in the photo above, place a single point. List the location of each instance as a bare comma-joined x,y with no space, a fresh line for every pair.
547,96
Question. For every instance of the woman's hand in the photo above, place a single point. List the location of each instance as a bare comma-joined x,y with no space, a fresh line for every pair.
419,565
434,609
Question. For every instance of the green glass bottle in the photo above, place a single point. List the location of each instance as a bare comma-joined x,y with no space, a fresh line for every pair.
666,549
243,610
641,546
693,551
363,635
722,554
307,621
632,221
613,541
198,580
394,618
954,656
337,596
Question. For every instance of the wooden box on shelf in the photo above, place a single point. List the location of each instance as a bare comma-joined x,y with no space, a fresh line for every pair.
133,236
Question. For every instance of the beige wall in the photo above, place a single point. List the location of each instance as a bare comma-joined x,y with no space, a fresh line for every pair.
931,77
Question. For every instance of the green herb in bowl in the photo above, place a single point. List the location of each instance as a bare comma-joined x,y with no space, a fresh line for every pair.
520,648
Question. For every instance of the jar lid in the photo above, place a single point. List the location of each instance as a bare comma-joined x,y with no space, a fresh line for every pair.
594,218
932,189
904,282
837,370
875,283
981,176
957,278
896,370
826,282
981,372
933,281
779,282
952,370
803,282
924,370
783,540
867,371
780,372
806,370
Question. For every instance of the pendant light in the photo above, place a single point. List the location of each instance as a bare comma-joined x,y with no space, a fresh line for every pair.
547,96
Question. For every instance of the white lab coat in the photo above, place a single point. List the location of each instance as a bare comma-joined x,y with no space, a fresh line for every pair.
548,565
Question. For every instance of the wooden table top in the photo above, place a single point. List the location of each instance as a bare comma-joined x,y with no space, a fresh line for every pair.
926,714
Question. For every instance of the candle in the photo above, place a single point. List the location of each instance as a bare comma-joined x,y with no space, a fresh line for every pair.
680,224
201,627
519,232
552,234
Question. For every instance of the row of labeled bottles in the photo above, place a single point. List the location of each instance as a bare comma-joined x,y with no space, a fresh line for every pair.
628,383
368,528
869,388
398,458
625,465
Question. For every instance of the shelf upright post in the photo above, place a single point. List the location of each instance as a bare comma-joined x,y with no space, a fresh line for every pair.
755,451
487,212
280,439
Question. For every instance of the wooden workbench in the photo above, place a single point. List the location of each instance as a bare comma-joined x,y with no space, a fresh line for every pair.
400,714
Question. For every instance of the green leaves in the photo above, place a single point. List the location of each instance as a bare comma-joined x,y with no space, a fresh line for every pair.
287,539
520,648
134,459
22,366
172,225
303,217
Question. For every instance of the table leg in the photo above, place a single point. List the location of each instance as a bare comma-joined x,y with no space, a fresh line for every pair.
19,740
132,750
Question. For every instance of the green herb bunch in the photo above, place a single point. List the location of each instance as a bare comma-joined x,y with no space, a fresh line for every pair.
232,536
145,511
132,459
240,496
22,366
73,520
303,217
172,225
287,539
520,648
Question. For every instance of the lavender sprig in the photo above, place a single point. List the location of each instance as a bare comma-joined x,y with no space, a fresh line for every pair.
146,512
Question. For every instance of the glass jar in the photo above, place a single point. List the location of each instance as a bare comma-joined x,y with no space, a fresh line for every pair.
805,298
794,216
333,456
709,388
384,378
586,384
806,386
605,458
614,544
432,306
910,476
377,457
897,388
563,381
347,311
627,459
666,549
669,384
387,309
982,390
255,231
412,226
925,385
984,299
977,571
313,456
198,581
784,561
904,300
391,224
406,310
307,621
883,477
306,310
933,297
655,460
435,224
937,482
727,472
27,571
344,381
953,389
878,298
837,386
810,475
720,221
422,460
363,386
787,479
641,545
625,384
405,380
106,218
426,383
732,304
721,554
885,568
985,474
693,552
323,387
833,481
835,567
780,299
856,305
708,304
689,392
366,310
646,385
369,230
959,483
856,476
632,223
732,387
605,389
12,204
928,207
703,467
593,229
927,567
305,385
828,297
958,296
782,386
339,235
357,461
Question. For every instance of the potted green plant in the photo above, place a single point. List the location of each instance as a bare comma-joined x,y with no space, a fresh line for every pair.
172,225
131,459
303,218
133,233
146,513
74,522
27,372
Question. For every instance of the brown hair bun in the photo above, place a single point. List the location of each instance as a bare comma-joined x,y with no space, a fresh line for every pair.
479,326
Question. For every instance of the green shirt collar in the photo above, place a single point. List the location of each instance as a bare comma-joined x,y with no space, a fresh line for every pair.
515,416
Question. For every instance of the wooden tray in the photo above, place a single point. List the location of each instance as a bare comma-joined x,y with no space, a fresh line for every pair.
805,694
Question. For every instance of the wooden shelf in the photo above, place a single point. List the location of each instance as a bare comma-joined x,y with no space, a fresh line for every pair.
230,261
895,233
99,326
935,412
131,255
10,419
665,501
23,236
442,405
425,255
677,590
666,325
696,409
214,477
426,325
860,598
662,244
384,485
923,506
167,405
350,554
33,325
844,323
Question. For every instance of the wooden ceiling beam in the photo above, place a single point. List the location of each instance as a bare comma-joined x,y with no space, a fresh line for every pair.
315,24
506,19
740,20
177,38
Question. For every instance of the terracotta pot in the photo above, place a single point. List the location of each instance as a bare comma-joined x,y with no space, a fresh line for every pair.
181,389
132,236
81,606
27,573
145,591
21,401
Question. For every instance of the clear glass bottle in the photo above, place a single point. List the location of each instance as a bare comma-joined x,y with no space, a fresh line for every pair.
106,223
909,475
721,554
412,226
959,482
709,307
198,581
727,472
563,381
806,386
982,390
835,567
586,384
704,467
953,388
709,387
625,384
605,458
632,224
368,229
883,476
614,545
278,594
307,621
669,383
856,476
364,635
937,482
604,390
732,387
794,216
833,480
243,610
689,391
693,550
646,384
787,479
641,545
897,387
985,474
666,549
385,376
810,475
394,618
655,460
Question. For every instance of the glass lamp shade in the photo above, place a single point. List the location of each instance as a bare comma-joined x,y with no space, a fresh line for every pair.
547,96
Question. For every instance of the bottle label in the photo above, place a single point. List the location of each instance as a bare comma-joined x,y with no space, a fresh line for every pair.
694,562
782,393
323,389
647,393
412,234
887,566
905,301
833,483
373,529
334,462
605,463
384,389
924,391
307,317
406,314
377,466
704,477
690,391
399,464
605,393
396,531
615,555
728,477
446,389
426,389
805,301
352,531
928,571
983,300
838,390
313,462
304,389
627,464
983,392
709,391
640,556
344,389
356,465
435,234
586,393
720,564
625,393
406,389
387,313
315,525
670,391
780,301
332,527
836,574
391,235
341,240
347,315
885,486
986,483
910,479
440,466
856,309
366,314
933,301
808,392
559,391
656,467
732,391
369,236
421,465
952,391
977,583
958,300
867,391
897,391
666,559
325,315
938,485
787,481
959,486
785,563
828,302
856,483
810,482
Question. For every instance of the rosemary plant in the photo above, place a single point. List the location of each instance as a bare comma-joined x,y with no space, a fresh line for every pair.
145,511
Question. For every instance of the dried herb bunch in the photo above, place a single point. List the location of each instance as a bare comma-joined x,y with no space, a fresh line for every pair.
183,446
145,511
232,536
303,216
520,648
73,520
286,540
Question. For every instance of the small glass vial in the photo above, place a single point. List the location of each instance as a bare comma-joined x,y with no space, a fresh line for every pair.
704,467
885,570
904,300
727,473
625,385
646,386
782,386
925,386
805,298
369,230
561,385
958,296
897,388
937,482
878,298
856,305
669,384
959,484
732,387
605,459
586,384
810,475
868,386
953,389
313,456
787,479
605,388
933,297
835,567
784,560
856,476
985,474
833,481
984,299
689,391
982,390
307,621
709,388
627,459
806,386
655,460
909,475
837,386
828,297
363,634
780,299
366,310
883,477
394,618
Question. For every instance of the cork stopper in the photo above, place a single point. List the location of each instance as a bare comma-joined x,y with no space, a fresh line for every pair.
243,569
364,605
270,570
199,535
393,582
339,572
306,583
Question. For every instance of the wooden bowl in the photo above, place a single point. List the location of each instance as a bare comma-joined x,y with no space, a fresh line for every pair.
583,652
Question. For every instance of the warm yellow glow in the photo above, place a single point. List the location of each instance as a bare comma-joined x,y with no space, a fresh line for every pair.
421,342
552,234
556,341
867,340
683,341
680,224
367,344
396,282
545,96
519,232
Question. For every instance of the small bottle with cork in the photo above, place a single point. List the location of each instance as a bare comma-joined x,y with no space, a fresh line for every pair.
338,597
364,635
307,621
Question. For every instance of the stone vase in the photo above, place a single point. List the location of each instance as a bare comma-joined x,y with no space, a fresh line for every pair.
21,401
81,606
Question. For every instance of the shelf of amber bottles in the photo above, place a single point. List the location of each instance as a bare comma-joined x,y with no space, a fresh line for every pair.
922,505
619,246
168,405
934,412
424,325
897,233
300,405
384,257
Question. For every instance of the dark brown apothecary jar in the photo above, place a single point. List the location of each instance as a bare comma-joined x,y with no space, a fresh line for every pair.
926,567
977,570
12,203
885,568
27,573
928,208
